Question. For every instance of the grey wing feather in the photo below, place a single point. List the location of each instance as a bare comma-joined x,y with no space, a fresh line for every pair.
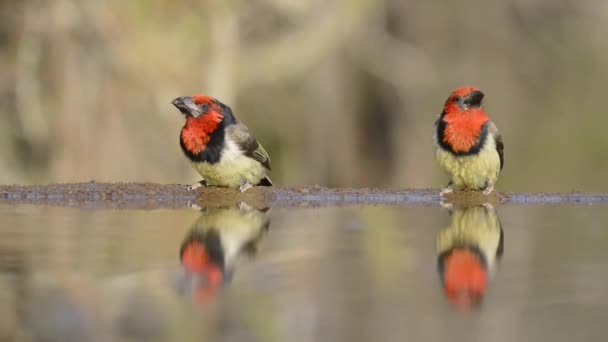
499,144
239,133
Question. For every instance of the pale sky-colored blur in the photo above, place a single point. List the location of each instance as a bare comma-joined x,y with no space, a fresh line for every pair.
340,92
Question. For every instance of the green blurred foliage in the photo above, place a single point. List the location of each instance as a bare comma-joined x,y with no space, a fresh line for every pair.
340,92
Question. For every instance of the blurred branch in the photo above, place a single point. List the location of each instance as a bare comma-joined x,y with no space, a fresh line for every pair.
103,28
295,52
219,73
293,8
389,58
34,123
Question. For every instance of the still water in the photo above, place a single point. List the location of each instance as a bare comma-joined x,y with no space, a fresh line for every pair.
377,273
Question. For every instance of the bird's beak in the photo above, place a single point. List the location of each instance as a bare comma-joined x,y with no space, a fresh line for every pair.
474,99
466,301
186,105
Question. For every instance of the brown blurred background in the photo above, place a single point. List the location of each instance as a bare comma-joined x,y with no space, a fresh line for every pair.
340,92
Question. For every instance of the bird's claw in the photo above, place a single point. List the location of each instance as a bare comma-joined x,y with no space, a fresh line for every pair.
244,207
488,206
488,190
245,186
446,191
197,185
194,206
446,205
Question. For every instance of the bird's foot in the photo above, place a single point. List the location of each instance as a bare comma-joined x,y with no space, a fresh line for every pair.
446,205
488,206
194,206
446,190
244,186
488,190
197,185
244,207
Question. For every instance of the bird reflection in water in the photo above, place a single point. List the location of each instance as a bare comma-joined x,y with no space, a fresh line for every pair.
215,243
468,250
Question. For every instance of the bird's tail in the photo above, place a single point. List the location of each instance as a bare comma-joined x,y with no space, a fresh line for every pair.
265,182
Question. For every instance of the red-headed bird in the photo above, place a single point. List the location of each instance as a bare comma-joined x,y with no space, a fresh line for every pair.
469,249
217,241
468,145
220,148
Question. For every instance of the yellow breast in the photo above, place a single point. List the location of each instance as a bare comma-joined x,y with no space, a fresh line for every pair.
235,227
474,227
232,170
472,171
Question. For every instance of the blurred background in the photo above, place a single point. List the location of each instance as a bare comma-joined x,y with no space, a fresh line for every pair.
340,92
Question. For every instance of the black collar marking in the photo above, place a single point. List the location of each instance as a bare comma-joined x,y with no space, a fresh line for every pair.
481,139
476,251
213,151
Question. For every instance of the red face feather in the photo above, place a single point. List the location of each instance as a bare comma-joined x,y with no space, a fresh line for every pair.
196,260
463,124
465,278
196,133
202,99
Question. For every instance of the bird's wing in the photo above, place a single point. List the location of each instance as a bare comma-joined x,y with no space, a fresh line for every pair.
436,133
499,144
239,133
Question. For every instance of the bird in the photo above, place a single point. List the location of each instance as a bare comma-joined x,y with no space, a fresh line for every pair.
468,250
217,240
221,149
468,145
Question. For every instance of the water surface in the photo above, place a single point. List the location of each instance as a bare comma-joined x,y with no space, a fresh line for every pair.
361,273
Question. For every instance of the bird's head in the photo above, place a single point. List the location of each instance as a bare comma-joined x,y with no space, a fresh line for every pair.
464,278
463,99
201,255
196,106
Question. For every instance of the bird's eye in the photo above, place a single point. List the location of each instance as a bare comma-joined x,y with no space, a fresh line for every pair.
456,99
204,107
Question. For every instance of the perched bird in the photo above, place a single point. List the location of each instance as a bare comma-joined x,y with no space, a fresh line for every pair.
221,149
468,145
467,253
215,243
